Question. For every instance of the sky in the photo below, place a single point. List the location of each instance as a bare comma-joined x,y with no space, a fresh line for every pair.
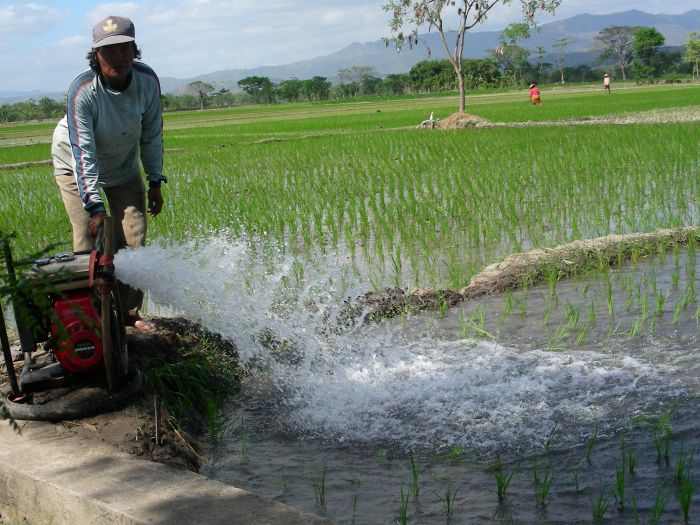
43,43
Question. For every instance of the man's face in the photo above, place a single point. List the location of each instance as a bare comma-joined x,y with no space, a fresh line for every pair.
115,62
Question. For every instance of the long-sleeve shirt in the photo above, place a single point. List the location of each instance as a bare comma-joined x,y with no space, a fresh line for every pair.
108,131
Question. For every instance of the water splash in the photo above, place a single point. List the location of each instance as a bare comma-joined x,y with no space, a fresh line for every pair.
381,384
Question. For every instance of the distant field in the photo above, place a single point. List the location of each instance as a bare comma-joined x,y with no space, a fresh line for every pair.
413,207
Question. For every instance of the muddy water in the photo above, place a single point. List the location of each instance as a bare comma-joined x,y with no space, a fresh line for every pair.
556,381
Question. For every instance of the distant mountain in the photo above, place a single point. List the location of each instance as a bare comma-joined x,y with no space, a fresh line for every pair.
581,30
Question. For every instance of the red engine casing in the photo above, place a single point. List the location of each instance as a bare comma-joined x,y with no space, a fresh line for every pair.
78,345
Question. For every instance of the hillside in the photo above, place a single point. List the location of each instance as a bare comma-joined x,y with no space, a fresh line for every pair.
580,29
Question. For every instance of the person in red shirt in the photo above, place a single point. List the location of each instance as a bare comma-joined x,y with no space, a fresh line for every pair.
535,95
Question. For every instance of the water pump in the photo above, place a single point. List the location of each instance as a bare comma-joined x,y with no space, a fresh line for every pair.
70,303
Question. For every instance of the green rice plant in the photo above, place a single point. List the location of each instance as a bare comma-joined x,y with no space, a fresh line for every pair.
645,307
554,342
402,516
454,452
591,443
677,311
318,482
508,306
636,327
684,465
631,457
661,435
620,472
503,479
660,300
415,487
448,501
542,482
354,508
591,314
609,295
685,495
581,337
571,314
657,509
601,504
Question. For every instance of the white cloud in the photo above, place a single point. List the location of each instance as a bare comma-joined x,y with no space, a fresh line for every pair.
27,20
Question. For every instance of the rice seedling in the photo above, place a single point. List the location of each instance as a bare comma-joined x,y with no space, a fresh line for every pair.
660,300
683,466
636,327
657,509
402,516
620,472
318,482
354,509
415,486
542,482
448,501
601,504
591,443
631,458
581,337
571,314
503,479
508,305
685,495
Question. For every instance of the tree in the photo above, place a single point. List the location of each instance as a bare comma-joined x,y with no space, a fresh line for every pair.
645,44
470,13
692,53
290,89
510,57
260,88
541,52
201,90
615,43
561,43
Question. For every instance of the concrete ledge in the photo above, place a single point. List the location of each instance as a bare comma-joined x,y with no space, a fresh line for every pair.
53,477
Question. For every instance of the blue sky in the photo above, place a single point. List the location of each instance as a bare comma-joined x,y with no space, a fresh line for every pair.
43,43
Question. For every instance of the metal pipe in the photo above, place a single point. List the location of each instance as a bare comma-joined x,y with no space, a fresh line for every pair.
7,353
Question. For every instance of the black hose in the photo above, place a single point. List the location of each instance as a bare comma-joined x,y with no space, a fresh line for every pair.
63,410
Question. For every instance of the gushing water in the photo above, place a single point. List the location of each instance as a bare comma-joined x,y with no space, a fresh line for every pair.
384,384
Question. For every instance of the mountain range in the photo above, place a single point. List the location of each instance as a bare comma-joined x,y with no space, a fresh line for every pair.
579,30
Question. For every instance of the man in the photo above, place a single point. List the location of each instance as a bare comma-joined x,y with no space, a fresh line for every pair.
606,83
113,117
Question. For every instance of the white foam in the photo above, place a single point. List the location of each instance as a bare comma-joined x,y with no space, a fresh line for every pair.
374,386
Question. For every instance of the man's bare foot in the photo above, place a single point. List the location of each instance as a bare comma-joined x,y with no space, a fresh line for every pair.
144,326
141,324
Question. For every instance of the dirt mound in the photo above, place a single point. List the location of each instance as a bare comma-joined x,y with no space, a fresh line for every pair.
463,120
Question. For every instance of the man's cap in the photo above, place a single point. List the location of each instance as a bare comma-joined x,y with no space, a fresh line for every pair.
532,85
113,30
605,74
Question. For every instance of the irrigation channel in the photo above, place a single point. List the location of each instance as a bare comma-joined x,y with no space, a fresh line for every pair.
587,393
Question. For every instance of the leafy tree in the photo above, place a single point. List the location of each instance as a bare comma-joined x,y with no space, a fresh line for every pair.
394,84
510,57
645,44
615,43
260,88
692,53
290,89
561,44
470,13
201,90
316,88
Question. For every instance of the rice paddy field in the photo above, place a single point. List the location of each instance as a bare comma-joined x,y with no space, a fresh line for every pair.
567,399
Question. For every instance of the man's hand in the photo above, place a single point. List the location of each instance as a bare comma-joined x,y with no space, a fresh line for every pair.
155,201
95,222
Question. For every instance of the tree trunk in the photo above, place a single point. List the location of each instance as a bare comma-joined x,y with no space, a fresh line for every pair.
460,84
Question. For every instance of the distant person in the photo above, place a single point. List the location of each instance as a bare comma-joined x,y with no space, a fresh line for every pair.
113,118
535,95
606,83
